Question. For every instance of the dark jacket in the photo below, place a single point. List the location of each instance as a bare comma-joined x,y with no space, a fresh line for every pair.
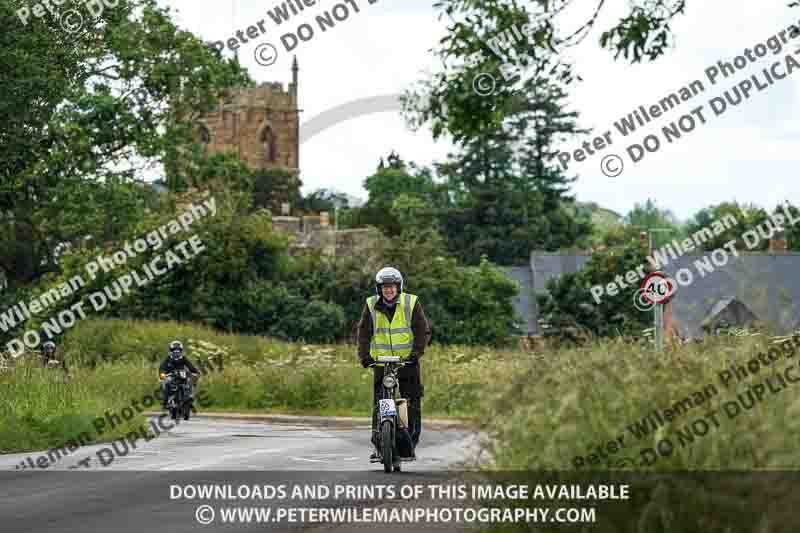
168,365
410,376
57,356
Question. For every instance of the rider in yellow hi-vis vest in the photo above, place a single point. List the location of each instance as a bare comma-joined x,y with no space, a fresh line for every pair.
393,323
395,337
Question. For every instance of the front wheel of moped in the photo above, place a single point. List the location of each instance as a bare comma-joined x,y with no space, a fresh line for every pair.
387,440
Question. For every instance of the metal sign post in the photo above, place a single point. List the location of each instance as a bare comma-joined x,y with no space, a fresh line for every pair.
658,309
658,312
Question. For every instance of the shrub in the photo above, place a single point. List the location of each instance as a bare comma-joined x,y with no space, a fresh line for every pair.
246,281
569,307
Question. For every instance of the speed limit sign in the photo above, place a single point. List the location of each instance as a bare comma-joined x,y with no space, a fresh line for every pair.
657,289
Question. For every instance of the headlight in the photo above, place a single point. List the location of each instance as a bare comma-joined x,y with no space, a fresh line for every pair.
389,382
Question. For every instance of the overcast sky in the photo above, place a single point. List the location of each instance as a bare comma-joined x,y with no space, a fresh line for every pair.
746,154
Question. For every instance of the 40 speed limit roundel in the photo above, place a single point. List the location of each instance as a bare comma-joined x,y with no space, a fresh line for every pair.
657,289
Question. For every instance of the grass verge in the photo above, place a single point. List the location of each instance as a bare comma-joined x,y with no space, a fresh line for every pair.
114,363
575,402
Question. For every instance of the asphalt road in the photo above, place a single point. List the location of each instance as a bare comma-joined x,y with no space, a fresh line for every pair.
132,492
220,444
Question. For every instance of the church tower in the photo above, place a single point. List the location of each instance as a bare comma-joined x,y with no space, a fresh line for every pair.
262,125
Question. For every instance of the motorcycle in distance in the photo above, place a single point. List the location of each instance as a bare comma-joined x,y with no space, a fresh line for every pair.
180,399
390,433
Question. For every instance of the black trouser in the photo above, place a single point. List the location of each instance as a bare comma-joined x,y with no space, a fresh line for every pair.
166,385
411,389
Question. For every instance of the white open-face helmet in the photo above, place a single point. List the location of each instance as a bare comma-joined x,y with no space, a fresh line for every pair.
388,275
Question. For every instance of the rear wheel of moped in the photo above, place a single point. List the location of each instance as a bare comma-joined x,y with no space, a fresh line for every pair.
386,446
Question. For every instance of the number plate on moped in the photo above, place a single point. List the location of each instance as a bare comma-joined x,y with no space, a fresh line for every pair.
387,407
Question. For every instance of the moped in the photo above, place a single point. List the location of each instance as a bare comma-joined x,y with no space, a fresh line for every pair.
392,436
180,401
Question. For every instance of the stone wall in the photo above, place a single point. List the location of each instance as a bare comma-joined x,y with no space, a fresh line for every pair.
312,233
285,224
356,241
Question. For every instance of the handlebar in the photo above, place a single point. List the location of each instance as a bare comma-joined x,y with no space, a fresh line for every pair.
398,363
175,373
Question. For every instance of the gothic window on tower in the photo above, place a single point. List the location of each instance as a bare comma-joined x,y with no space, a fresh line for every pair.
268,145
203,136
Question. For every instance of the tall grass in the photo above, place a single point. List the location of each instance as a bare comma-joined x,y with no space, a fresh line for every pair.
39,408
540,410
115,362
568,403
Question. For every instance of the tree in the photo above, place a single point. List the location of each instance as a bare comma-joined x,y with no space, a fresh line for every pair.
792,231
472,48
568,306
395,161
84,115
392,181
649,215
501,226
466,305
273,186
322,200
399,177
747,217
661,224
509,194
539,120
